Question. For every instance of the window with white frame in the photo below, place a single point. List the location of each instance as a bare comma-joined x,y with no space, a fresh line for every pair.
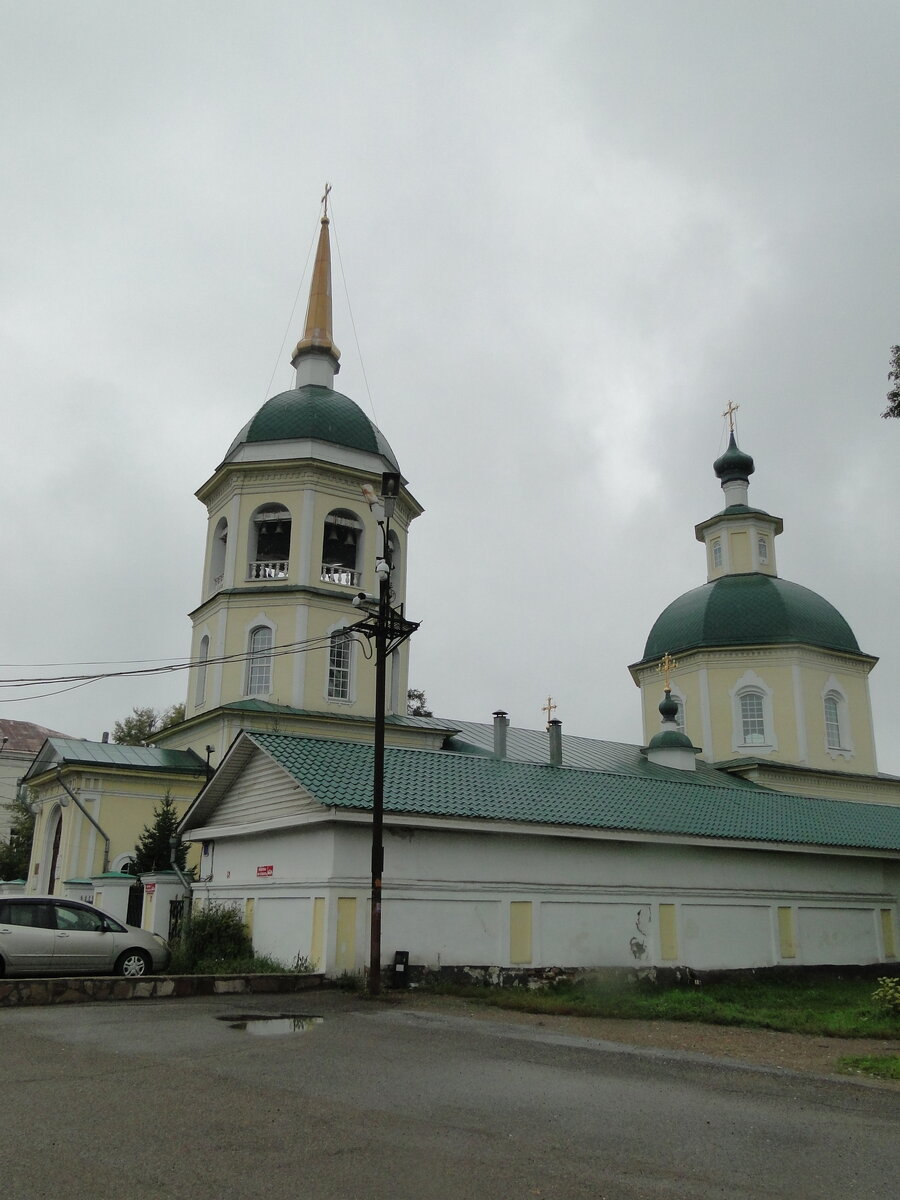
202,656
753,719
834,732
717,553
679,716
259,662
762,550
339,665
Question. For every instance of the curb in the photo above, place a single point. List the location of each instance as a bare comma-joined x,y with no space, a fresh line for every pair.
87,989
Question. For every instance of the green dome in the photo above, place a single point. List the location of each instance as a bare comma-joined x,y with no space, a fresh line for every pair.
315,413
733,464
748,610
670,739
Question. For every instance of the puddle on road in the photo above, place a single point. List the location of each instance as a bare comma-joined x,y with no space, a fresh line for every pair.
275,1026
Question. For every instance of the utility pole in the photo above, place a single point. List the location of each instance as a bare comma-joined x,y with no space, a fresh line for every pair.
390,629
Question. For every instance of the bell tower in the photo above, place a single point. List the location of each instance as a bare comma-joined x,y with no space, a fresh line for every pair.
291,540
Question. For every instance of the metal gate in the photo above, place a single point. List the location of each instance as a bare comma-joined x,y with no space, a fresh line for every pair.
179,911
135,912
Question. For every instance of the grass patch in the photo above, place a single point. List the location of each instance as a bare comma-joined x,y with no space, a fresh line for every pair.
826,1007
882,1066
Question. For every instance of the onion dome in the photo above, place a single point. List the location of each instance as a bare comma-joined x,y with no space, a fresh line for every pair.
734,464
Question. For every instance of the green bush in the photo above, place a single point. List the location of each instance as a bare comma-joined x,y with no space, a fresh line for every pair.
212,937
887,994
215,941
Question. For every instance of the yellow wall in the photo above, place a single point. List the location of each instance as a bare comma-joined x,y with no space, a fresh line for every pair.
309,491
121,803
796,679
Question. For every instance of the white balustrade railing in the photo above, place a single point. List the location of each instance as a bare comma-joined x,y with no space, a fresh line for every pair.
335,573
268,569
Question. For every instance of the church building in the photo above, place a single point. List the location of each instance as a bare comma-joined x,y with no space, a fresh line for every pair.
751,829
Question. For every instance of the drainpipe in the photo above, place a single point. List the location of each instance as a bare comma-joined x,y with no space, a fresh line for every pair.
554,728
71,794
501,724
185,882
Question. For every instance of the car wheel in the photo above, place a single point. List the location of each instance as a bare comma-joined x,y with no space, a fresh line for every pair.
133,963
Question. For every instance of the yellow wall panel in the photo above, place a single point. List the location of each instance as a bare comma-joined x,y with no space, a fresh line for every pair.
520,938
668,933
787,944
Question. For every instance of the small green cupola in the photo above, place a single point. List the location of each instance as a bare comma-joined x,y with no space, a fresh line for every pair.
734,466
671,747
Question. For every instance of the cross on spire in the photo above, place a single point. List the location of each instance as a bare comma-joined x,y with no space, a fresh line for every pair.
729,413
325,200
666,664
549,708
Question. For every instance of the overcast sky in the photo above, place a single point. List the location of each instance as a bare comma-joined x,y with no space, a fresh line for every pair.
571,233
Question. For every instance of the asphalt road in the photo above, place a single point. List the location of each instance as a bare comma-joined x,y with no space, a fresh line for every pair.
161,1099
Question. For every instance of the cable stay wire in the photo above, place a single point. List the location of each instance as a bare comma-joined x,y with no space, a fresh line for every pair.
337,246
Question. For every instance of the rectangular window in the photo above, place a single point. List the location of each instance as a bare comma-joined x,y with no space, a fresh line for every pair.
763,549
339,667
717,553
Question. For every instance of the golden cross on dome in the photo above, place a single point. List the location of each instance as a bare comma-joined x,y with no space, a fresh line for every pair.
549,708
325,199
666,664
729,413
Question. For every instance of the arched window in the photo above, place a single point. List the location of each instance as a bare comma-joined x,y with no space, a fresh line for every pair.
217,555
269,543
342,548
679,716
202,656
717,553
339,663
835,722
259,662
753,719
762,550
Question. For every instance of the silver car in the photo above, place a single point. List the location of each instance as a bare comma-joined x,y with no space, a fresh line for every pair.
41,934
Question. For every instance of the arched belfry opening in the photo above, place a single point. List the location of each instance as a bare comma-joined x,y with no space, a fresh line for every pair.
217,554
269,543
342,548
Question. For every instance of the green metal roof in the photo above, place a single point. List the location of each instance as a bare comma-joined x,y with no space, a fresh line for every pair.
748,610
74,751
440,784
316,413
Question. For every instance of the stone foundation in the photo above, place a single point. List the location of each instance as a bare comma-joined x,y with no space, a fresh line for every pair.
84,989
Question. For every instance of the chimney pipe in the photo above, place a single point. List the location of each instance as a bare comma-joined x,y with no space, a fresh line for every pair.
554,728
501,724
105,737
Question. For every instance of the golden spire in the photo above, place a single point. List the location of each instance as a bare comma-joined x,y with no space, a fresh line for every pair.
317,331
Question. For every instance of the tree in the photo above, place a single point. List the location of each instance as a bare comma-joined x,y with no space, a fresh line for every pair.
417,704
139,728
15,852
154,849
893,396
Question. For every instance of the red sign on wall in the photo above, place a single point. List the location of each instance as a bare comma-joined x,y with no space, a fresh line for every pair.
265,872
149,889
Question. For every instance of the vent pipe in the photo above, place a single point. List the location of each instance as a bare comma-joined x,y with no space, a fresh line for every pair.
105,738
501,724
554,728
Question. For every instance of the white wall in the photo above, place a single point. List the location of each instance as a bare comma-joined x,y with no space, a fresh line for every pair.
447,899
